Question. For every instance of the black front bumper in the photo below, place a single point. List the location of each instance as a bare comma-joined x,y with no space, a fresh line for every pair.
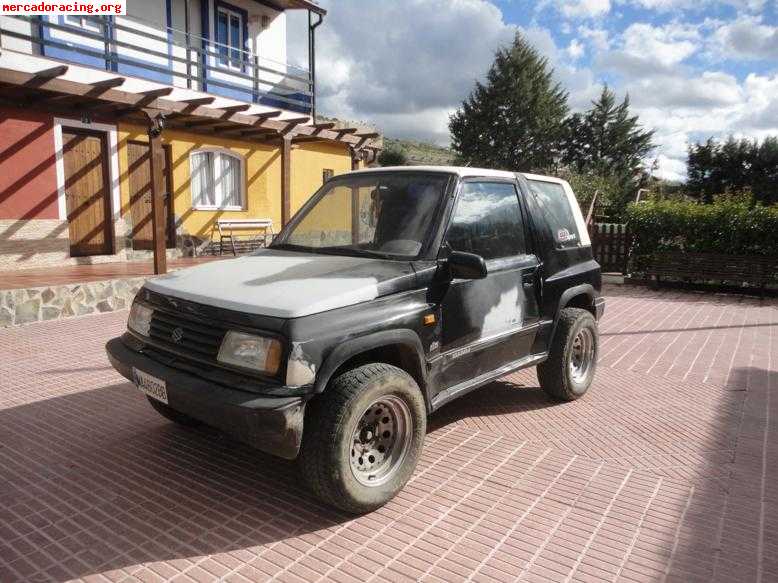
271,424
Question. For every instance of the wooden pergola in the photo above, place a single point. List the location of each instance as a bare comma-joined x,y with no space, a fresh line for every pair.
154,109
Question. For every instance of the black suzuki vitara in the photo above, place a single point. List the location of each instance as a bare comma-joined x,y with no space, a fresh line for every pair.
390,293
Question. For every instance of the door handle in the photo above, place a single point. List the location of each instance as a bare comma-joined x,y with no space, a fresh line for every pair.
528,276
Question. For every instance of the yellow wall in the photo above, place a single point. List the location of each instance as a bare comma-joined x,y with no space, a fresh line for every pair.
262,175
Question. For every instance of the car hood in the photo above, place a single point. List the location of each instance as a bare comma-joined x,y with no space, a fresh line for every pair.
286,284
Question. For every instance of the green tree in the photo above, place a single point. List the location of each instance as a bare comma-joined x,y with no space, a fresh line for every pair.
607,140
734,166
606,146
515,120
393,157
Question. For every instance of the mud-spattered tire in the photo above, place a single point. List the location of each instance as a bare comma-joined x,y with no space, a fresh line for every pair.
175,416
576,340
375,403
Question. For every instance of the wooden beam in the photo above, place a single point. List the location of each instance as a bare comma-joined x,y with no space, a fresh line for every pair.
295,120
149,96
105,84
324,126
49,74
201,122
368,136
267,114
259,135
119,99
286,179
157,155
235,108
291,124
199,101
344,131
307,139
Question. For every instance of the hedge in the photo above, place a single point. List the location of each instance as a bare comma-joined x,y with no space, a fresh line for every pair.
731,225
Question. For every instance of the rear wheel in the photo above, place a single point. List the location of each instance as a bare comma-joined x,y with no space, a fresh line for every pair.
572,360
363,437
175,416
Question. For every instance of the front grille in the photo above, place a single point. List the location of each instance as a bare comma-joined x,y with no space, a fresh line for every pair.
185,335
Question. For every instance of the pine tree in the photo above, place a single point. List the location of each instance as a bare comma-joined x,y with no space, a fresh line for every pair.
513,121
607,140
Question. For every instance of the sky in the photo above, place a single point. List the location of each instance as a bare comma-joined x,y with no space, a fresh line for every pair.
692,68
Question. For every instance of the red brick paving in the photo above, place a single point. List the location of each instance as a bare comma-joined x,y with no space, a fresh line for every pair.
665,471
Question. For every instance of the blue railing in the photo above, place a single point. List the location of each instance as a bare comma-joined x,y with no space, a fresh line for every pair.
133,47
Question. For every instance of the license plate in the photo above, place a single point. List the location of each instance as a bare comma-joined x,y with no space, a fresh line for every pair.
152,386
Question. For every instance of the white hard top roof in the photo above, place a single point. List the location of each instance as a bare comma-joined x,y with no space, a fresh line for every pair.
462,171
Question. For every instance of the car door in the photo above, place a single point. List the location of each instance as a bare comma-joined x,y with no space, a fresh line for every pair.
487,324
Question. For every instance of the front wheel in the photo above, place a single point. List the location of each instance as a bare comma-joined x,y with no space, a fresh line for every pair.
569,371
363,437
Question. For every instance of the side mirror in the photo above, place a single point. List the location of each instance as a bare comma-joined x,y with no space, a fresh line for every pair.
466,265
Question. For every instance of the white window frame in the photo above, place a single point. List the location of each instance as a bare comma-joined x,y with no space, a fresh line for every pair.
81,21
241,49
218,195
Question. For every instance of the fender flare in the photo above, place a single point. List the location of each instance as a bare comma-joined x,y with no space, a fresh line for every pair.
345,350
586,289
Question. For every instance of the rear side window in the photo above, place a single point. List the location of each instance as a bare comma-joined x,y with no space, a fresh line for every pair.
487,221
558,212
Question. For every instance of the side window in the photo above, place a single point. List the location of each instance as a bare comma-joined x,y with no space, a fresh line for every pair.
555,205
487,221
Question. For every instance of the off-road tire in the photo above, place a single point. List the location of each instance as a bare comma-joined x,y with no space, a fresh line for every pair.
330,421
555,374
175,416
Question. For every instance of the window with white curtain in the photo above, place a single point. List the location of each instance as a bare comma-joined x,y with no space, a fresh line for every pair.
217,180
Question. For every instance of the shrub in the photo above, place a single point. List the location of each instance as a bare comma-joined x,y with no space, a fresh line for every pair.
732,225
393,157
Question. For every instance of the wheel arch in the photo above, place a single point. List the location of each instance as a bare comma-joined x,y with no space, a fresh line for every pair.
401,348
579,296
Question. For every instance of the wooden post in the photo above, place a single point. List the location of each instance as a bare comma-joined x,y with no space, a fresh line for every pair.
354,159
157,159
286,179
354,199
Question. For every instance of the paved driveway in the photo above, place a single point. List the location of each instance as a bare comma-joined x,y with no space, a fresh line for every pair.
666,471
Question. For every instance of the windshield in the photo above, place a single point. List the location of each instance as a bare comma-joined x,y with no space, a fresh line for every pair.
383,214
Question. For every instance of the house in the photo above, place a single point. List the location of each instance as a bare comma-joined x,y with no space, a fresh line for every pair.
124,135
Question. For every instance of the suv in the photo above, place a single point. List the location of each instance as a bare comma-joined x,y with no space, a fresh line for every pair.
391,292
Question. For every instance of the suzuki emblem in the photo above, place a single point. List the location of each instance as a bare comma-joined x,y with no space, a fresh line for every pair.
177,335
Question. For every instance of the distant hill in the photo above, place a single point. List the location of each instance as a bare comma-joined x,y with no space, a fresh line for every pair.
420,153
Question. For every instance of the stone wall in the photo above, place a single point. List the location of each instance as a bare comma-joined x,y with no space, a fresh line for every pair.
25,306
45,242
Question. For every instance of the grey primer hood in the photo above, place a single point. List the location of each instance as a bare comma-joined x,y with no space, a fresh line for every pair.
286,284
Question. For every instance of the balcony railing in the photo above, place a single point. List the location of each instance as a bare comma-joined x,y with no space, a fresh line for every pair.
133,47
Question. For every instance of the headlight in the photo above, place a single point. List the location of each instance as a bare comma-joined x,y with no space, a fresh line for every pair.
140,319
249,351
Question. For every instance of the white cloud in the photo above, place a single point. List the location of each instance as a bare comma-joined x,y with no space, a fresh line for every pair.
575,49
597,37
584,8
699,5
409,77
669,45
670,168
425,63
747,38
